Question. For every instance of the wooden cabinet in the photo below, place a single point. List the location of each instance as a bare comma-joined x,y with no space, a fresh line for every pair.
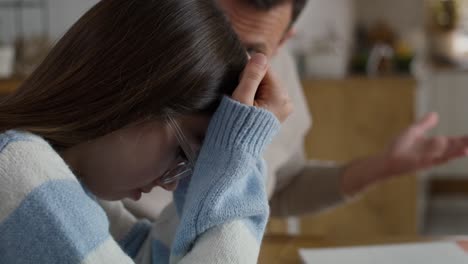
9,85
353,118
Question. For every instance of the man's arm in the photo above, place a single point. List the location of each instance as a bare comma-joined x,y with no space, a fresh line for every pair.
316,186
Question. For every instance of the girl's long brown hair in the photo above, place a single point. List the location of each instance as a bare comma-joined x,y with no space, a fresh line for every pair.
126,61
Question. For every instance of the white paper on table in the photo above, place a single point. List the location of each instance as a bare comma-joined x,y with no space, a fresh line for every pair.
425,253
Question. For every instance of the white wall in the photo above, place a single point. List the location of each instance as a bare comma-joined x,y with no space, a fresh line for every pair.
63,13
321,16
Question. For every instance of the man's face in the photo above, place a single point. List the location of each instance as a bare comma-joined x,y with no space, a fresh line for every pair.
259,30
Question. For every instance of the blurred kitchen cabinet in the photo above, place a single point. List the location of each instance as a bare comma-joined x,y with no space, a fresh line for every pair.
353,118
9,85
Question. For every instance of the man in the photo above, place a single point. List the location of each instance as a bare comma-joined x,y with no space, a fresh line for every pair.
303,186
298,186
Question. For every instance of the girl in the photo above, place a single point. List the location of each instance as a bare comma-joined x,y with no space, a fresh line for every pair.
117,108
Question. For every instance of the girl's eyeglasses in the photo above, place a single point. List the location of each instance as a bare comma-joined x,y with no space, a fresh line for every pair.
185,167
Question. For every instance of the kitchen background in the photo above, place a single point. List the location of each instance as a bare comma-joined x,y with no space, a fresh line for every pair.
369,69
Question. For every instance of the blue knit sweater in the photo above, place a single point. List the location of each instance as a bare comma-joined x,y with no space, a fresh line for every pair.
219,215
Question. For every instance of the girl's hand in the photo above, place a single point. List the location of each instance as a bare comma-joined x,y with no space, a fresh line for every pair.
258,87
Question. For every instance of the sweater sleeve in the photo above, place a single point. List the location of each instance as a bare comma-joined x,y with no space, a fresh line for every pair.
223,209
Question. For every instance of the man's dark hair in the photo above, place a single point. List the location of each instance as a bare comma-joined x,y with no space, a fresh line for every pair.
298,6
